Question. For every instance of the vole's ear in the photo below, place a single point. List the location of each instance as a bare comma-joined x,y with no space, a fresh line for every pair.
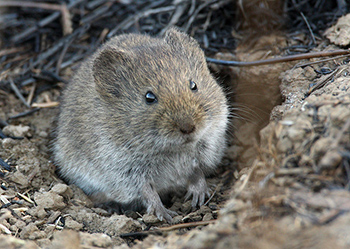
175,37
106,71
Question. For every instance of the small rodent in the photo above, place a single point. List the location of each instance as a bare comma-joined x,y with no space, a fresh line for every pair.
143,116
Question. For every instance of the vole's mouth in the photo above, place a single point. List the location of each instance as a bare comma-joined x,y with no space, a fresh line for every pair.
188,139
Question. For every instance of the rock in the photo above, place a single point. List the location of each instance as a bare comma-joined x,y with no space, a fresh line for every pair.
150,219
67,239
178,219
72,224
8,143
43,134
95,239
339,33
186,207
19,178
37,212
31,231
17,131
20,224
204,210
208,217
63,190
10,242
49,200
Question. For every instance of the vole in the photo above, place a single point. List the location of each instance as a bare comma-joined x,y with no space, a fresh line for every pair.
143,116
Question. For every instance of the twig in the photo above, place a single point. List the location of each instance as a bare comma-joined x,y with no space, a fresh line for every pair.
309,28
180,9
5,165
46,105
320,61
25,198
41,23
134,18
12,50
245,182
23,114
167,229
31,94
281,59
192,18
186,225
324,81
27,4
18,93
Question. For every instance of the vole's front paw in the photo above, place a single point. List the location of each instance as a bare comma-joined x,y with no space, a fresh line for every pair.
162,213
198,190
154,204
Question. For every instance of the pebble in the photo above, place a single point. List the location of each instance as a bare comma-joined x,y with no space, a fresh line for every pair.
17,131
49,200
186,207
208,217
150,219
95,239
72,224
63,190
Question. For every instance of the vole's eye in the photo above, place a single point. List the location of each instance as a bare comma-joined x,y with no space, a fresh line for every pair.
150,98
193,86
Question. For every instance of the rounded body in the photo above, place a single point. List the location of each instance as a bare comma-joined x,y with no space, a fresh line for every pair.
141,117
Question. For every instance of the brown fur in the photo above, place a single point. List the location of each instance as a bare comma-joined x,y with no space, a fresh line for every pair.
111,142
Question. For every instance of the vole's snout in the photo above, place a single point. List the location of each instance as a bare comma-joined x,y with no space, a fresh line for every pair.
187,125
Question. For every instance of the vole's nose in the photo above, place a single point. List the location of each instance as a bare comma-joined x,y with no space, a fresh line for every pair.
187,126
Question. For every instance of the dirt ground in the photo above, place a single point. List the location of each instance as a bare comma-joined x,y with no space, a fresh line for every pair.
283,183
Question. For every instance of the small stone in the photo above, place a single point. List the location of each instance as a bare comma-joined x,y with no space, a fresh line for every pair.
49,200
213,206
131,214
186,207
204,210
20,224
53,217
13,228
178,219
49,229
43,134
19,178
80,197
67,239
37,212
207,217
13,242
44,243
150,219
17,131
193,217
12,220
176,206
32,232
72,224
8,143
62,189
95,239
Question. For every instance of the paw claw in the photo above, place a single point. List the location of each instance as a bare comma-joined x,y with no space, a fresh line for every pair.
166,214
198,196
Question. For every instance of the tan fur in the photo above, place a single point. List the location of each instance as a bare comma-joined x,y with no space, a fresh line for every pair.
110,141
